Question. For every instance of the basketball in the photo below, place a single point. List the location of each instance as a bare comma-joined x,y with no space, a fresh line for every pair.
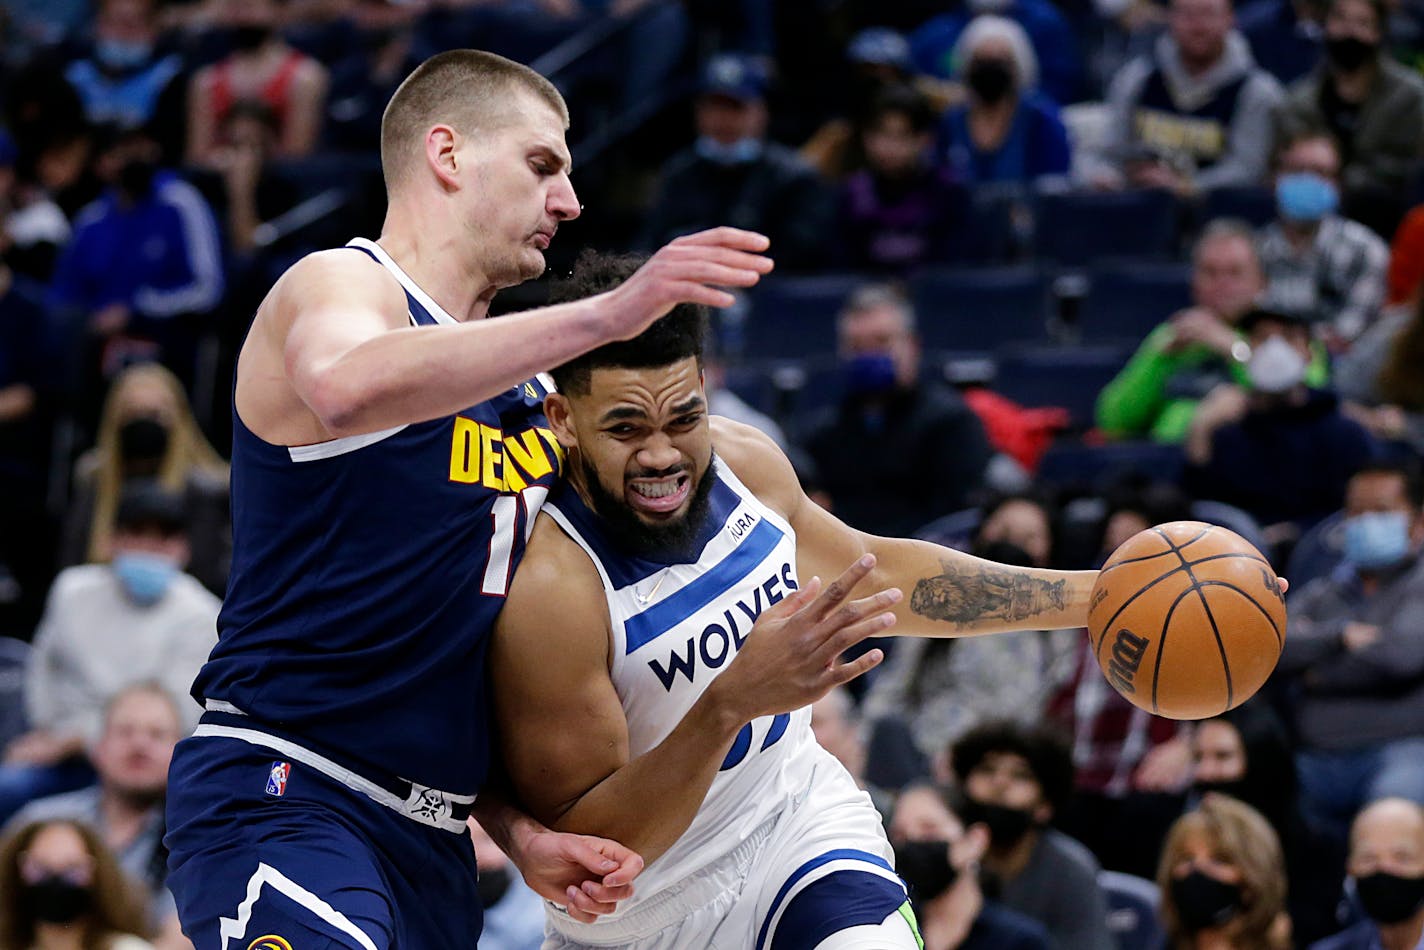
1187,620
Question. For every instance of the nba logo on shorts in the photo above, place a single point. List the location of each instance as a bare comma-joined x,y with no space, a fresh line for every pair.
277,778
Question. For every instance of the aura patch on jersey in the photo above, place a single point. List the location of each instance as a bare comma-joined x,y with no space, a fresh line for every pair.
483,455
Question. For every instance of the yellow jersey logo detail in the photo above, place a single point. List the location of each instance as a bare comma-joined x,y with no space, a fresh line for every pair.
482,455
530,391
270,942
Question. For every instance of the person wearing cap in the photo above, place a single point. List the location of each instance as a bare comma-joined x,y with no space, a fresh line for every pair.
733,175
1277,447
105,627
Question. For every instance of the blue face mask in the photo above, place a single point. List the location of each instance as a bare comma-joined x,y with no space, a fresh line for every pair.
869,374
1306,197
122,55
1377,539
739,152
145,577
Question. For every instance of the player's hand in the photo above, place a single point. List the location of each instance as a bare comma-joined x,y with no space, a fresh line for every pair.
791,656
689,269
585,874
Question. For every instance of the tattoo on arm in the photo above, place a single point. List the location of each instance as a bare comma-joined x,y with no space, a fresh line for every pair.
967,595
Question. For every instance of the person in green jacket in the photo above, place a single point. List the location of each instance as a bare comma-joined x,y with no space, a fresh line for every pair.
1197,348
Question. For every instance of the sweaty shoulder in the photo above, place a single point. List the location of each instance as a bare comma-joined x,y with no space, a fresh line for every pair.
760,464
340,277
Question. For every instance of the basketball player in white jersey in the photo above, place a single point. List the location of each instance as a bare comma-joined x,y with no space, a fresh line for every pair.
665,636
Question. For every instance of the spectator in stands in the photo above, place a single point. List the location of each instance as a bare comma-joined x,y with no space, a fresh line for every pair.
1320,266
941,688
147,431
1222,881
841,730
128,73
1015,779
1197,349
106,627
939,859
1280,450
1372,106
57,877
1356,653
363,81
892,427
35,228
733,175
1379,378
1246,753
934,44
514,914
1004,131
1193,115
1406,259
1387,864
142,724
262,67
1285,35
902,211
254,196
144,268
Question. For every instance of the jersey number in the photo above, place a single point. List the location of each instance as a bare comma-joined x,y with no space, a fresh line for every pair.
507,512
743,743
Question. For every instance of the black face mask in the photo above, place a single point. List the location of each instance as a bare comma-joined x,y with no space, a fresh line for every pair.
990,80
925,868
1389,898
1203,901
55,900
492,884
142,444
245,39
1007,826
136,177
1349,53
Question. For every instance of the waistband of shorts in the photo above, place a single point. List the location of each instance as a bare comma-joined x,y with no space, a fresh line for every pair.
671,904
444,810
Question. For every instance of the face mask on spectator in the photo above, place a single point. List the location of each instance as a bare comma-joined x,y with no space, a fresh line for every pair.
245,39
1006,825
145,576
1306,197
740,152
1275,366
1203,901
122,55
1349,53
925,867
136,177
56,900
870,374
990,80
143,440
1389,898
1376,539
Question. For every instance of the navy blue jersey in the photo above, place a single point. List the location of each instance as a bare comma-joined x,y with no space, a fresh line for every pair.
367,574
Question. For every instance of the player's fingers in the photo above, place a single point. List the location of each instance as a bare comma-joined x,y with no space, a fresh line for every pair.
725,256
853,610
840,588
592,853
728,237
843,673
846,637
689,292
718,275
1283,584
581,907
603,894
794,602
630,865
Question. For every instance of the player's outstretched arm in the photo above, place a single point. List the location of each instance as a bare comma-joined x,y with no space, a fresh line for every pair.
564,735
340,325
947,593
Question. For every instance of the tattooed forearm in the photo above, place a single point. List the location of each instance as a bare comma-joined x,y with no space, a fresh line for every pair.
964,595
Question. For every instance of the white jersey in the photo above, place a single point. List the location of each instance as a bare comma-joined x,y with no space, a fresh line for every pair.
674,628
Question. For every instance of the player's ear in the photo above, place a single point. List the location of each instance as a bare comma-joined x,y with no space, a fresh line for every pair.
442,144
559,413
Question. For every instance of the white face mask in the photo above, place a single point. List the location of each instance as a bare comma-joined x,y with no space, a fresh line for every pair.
1275,366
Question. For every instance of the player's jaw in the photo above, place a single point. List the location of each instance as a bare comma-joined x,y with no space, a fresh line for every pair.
659,496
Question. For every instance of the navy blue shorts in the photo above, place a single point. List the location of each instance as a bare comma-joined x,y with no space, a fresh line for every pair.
266,853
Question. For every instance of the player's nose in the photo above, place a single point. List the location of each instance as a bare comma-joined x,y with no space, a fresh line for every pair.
562,202
658,453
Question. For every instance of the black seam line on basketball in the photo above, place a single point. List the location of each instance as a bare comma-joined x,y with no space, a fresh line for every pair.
1134,560
1280,641
1128,603
1211,618
1162,646
1218,557
1193,540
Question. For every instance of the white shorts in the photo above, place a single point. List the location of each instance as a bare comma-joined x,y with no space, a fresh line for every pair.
821,865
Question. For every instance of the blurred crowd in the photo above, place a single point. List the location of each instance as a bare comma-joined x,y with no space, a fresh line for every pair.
1048,272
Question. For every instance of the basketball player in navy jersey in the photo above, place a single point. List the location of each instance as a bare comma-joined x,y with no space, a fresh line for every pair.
662,643
389,456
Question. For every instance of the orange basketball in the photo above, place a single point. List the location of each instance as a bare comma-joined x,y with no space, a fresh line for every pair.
1187,620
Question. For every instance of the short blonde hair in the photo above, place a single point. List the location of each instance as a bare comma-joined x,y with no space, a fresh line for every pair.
464,87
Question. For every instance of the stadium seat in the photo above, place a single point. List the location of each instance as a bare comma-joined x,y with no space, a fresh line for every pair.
1124,302
14,656
1233,519
954,530
795,316
1070,377
1318,552
1075,229
1253,204
1132,911
1071,464
981,308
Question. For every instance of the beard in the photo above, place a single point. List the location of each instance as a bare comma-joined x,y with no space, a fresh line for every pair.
672,540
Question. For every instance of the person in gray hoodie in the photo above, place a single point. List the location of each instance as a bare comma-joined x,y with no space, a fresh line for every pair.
1193,115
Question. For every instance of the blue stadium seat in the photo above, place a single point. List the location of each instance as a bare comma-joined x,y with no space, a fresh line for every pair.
1124,302
1318,552
996,226
1072,464
14,656
1132,911
1075,229
795,316
1254,204
981,308
1067,376
1233,519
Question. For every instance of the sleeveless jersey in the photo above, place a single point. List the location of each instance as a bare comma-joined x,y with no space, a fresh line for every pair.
367,573
674,628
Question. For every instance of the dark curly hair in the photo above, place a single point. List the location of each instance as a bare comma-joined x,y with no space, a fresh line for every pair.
1045,750
676,336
